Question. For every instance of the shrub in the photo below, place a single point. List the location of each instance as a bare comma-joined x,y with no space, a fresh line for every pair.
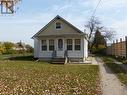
99,50
124,62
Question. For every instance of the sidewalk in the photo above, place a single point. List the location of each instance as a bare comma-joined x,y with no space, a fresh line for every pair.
92,60
109,82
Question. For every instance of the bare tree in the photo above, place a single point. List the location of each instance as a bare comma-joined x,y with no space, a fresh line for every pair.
92,26
9,4
109,33
14,1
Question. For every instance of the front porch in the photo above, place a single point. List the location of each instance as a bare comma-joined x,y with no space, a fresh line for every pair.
62,47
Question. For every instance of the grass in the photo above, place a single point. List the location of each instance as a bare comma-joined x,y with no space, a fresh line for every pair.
117,69
124,62
121,59
41,78
5,56
21,57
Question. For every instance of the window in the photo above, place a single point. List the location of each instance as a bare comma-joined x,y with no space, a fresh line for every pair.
69,44
44,45
51,45
77,44
58,25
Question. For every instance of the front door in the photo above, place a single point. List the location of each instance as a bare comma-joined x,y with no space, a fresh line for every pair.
60,49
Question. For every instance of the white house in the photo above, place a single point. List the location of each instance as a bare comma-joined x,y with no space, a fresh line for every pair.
60,39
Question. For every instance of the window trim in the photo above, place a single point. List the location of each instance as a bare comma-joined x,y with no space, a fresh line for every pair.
77,44
51,45
69,45
44,45
60,25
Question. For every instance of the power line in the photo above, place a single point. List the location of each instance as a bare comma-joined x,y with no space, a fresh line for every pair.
96,8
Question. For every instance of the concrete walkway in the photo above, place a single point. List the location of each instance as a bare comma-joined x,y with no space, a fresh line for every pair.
92,60
109,82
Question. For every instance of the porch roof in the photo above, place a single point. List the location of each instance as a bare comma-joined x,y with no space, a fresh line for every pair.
63,36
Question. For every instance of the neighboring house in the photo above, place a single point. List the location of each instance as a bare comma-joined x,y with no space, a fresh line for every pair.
60,39
19,46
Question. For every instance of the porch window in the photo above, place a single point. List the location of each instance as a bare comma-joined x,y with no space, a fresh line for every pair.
69,44
77,44
44,45
58,25
51,45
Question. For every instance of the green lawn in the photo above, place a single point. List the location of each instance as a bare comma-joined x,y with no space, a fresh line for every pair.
23,57
117,69
4,57
124,61
41,78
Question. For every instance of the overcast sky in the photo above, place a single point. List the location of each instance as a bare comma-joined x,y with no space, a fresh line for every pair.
32,15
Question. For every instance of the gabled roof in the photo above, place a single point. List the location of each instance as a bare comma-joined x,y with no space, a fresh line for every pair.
59,17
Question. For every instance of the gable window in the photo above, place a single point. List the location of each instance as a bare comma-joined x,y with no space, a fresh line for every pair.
69,44
51,45
44,45
77,44
58,25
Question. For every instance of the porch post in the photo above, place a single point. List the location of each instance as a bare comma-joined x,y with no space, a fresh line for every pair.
73,44
55,44
65,44
47,41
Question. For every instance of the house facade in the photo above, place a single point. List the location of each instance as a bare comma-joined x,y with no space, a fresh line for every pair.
60,39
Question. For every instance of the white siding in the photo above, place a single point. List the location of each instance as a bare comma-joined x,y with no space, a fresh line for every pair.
36,48
45,54
85,48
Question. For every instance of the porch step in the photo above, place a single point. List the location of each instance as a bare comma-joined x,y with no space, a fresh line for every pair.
58,61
